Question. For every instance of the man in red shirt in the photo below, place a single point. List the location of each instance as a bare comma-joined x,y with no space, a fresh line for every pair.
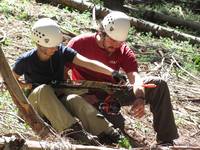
108,46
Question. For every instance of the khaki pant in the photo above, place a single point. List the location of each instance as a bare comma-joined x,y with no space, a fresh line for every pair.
62,115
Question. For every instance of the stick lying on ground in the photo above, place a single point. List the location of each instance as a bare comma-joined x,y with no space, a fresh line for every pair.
10,143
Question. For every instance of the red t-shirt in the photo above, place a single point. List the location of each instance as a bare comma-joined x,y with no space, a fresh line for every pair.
85,44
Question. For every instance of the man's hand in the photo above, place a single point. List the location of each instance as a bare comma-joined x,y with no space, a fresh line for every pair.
138,90
137,109
118,77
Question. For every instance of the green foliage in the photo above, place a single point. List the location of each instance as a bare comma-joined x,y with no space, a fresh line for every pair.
196,61
124,142
9,112
170,9
23,15
11,8
6,9
7,42
184,52
78,21
180,121
6,102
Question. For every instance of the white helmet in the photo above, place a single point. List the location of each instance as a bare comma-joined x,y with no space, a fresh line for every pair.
46,33
116,25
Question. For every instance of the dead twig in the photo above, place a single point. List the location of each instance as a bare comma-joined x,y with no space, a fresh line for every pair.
2,36
12,114
196,78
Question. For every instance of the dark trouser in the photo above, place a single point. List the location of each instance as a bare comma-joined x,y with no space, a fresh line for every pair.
160,106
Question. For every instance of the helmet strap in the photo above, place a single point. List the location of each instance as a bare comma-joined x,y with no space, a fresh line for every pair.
102,39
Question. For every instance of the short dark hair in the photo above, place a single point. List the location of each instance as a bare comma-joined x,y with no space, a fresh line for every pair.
101,30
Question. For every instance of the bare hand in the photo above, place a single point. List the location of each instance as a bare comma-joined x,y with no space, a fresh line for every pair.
137,109
25,85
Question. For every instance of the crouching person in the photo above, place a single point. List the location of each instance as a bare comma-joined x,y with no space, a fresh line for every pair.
44,64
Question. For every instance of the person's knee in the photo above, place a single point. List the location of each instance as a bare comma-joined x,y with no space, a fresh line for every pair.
162,83
42,92
73,97
157,81
44,88
74,100
79,103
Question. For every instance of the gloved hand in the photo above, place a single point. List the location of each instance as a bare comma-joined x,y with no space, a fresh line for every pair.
118,77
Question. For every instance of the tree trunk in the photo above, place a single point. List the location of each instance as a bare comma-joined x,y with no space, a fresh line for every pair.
80,5
163,31
7,143
159,17
31,117
138,23
114,4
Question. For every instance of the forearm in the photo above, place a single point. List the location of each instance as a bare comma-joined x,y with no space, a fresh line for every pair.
136,80
92,65
22,84
100,67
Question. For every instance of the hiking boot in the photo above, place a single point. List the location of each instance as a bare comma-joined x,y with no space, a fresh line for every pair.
114,137
158,144
166,143
77,133
109,138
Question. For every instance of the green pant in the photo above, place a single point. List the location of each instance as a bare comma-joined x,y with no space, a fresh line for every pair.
63,115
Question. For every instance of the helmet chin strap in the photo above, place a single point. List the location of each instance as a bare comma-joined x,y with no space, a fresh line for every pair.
102,36
103,42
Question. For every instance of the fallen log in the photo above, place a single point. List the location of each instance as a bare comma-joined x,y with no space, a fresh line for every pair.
18,97
80,5
159,17
139,24
163,31
114,5
13,143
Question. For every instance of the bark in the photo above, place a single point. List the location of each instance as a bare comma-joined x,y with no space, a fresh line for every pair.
80,5
140,24
7,143
31,117
114,4
163,31
134,2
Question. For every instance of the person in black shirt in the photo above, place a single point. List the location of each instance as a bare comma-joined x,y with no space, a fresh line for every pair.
44,64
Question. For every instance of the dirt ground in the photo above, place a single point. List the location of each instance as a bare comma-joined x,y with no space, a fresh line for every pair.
185,94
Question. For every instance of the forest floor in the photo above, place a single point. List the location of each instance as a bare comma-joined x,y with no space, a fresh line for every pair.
184,94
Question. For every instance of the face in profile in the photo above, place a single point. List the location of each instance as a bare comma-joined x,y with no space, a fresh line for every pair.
111,45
